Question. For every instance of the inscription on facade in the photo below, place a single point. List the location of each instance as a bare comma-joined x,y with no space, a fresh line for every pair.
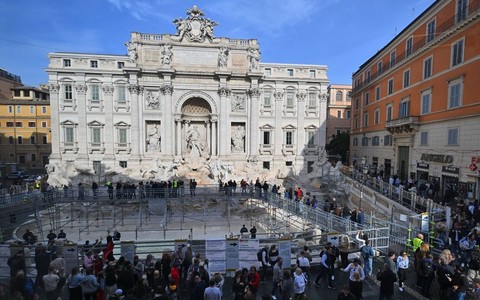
438,158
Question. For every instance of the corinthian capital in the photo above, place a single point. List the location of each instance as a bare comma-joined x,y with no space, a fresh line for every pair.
301,97
81,88
224,92
323,97
135,89
107,89
254,92
166,89
53,88
278,95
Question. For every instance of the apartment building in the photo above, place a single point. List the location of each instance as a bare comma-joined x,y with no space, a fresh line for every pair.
416,103
338,109
25,130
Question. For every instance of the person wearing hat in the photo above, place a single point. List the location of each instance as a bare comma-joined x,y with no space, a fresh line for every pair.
356,277
118,294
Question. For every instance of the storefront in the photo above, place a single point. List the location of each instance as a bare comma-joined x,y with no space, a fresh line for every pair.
422,173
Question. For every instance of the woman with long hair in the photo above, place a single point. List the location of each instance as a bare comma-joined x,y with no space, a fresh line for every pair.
108,251
74,283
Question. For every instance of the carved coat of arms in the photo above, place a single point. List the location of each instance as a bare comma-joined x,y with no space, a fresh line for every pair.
195,28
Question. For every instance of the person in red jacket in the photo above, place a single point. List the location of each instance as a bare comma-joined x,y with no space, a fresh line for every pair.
108,252
253,280
175,275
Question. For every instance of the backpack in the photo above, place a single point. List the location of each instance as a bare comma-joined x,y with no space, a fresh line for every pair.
259,255
29,287
365,251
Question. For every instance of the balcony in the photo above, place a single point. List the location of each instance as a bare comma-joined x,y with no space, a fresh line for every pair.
266,149
402,125
288,149
96,147
69,147
123,147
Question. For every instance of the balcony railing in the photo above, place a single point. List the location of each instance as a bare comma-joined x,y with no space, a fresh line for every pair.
403,124
441,29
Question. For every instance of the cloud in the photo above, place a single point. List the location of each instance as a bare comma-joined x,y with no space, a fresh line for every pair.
142,10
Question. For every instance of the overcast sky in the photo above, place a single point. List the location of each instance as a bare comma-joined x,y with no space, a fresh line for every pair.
341,34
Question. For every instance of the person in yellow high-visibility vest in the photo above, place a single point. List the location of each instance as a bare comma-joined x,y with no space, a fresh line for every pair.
417,241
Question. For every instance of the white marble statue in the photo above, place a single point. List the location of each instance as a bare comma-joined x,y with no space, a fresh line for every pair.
153,138
132,50
167,54
194,143
223,57
238,139
254,59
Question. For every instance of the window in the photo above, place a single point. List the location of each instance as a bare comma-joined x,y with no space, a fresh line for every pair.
367,98
389,112
22,159
44,140
430,31
10,109
67,63
365,119
387,140
34,157
122,135
18,124
427,67
349,96
406,79
355,142
339,114
349,113
289,138
365,141
404,109
266,165
96,135
393,57
19,140
122,164
424,138
97,166
10,124
32,140
95,93
266,137
290,99
120,65
376,119
356,122
68,92
10,140
452,136
44,124
368,75
290,72
426,102
379,68
16,93
390,86
356,103
310,138
409,46
377,93
32,109
44,109
19,109
312,100
313,74
457,53
268,72
121,94
339,97
93,64
455,93
69,135
461,10
375,141
267,98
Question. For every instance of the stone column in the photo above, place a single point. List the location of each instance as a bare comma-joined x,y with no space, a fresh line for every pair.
278,138
168,129
322,130
223,138
136,92
54,88
82,134
299,139
254,140
214,149
110,130
178,132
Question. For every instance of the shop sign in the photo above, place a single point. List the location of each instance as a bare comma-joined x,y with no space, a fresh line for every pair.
450,169
438,158
422,166
475,160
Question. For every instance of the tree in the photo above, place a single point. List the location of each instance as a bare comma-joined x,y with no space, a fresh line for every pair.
339,145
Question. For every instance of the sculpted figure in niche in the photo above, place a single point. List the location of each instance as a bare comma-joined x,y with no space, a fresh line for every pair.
223,57
132,51
238,139
152,100
254,58
166,54
153,138
194,143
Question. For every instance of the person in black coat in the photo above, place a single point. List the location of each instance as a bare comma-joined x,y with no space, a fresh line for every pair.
198,289
387,280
